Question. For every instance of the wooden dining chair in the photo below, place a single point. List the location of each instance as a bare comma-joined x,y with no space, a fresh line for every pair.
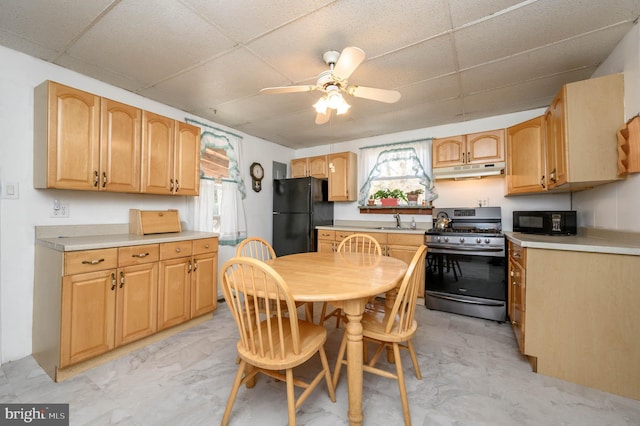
393,327
260,249
354,243
271,342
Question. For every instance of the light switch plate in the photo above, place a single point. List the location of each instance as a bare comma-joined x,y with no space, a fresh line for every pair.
10,190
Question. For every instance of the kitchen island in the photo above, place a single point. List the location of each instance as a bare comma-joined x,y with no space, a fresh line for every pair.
573,304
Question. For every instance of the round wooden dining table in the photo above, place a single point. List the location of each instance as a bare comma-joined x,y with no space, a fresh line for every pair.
347,281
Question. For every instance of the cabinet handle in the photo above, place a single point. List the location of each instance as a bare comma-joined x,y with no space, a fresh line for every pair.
189,268
113,281
177,185
121,279
195,265
468,156
515,283
552,176
171,186
542,182
104,179
95,178
177,249
92,262
140,255
206,246
463,157
516,323
516,255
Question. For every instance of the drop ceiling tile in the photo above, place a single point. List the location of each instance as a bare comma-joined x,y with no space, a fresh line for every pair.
583,52
419,62
48,26
163,41
432,90
243,20
200,87
536,24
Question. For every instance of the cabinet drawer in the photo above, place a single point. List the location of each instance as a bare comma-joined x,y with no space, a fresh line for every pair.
341,235
175,250
517,253
323,234
78,262
405,239
136,255
205,245
380,237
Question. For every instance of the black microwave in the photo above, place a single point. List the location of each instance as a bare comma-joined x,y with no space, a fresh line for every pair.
545,222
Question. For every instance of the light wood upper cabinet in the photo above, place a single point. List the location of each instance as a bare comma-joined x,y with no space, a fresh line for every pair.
66,138
170,156
581,143
526,157
299,167
85,142
343,178
312,166
120,134
474,148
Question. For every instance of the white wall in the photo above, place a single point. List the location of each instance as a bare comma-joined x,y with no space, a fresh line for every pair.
19,74
617,205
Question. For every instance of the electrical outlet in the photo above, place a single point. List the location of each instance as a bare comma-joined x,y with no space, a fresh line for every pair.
59,209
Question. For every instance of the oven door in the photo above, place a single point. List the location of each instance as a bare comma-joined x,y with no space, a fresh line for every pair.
468,284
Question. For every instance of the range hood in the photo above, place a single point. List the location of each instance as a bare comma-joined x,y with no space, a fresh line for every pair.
469,171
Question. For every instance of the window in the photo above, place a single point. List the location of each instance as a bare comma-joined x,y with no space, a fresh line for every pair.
397,166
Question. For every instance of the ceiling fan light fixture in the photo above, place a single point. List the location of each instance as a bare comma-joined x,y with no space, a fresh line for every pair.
321,105
343,108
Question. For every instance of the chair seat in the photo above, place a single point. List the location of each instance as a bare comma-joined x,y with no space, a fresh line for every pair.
312,337
375,320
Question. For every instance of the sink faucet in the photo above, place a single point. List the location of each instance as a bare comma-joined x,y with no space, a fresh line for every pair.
397,218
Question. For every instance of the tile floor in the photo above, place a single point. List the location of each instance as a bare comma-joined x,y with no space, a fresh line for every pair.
472,375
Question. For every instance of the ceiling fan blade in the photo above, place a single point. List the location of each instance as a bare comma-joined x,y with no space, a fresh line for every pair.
323,118
287,89
382,95
348,61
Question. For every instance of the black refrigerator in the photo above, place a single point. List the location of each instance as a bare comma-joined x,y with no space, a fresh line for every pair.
299,205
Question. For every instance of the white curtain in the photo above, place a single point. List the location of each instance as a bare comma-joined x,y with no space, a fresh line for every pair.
229,206
382,161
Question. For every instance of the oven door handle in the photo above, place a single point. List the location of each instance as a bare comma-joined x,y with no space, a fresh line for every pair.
470,302
458,248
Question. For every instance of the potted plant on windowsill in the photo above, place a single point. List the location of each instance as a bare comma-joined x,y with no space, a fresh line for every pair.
412,196
389,197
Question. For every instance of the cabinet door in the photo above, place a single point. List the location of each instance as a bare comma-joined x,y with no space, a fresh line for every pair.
485,147
120,145
318,167
174,306
87,316
449,151
204,294
157,154
343,177
73,131
136,303
517,301
187,159
556,148
299,168
525,157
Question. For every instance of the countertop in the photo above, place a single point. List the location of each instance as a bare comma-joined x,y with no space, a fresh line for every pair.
90,237
587,240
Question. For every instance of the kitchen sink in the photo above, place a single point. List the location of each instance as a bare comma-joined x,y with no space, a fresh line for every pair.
392,228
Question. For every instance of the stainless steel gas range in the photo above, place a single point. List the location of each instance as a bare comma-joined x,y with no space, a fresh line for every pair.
466,263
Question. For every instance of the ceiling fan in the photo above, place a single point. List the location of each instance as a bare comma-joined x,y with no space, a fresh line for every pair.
333,82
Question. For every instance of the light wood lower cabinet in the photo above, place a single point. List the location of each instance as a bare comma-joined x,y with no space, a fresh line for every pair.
115,296
394,244
572,314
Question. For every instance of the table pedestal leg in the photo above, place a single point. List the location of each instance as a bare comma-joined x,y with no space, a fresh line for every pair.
354,309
